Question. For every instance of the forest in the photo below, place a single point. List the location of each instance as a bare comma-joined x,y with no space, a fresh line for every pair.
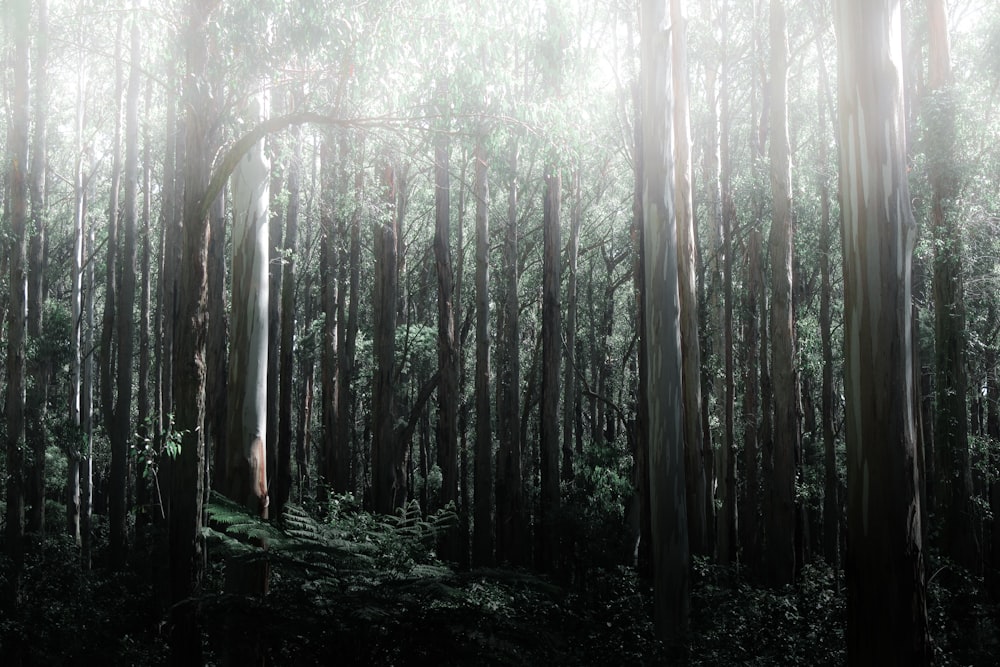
464,332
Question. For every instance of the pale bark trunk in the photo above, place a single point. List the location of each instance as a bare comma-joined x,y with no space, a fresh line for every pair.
73,453
749,532
569,374
662,327
697,487
886,606
247,432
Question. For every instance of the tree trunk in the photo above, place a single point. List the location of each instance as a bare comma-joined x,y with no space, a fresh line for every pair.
74,453
697,488
17,161
142,434
121,428
388,472
186,552
886,606
952,423
482,537
116,505
662,328
447,393
246,439
510,519
283,479
831,486
569,374
781,517
749,531
38,366
548,556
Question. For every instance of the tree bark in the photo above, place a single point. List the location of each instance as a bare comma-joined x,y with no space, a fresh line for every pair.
482,537
38,366
884,567
663,334
781,517
247,432
952,419
548,556
388,472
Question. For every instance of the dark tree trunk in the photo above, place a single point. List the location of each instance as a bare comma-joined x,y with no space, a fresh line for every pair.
482,537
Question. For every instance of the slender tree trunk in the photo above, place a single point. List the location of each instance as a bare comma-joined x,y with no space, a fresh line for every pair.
116,505
952,422
87,408
697,487
283,481
781,517
831,486
121,428
388,473
74,452
447,393
17,14
216,399
569,374
886,606
510,520
662,327
749,531
38,365
247,453
548,556
142,434
482,537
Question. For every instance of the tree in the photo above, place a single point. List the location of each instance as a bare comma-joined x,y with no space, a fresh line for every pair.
482,536
951,377
246,439
18,16
886,606
662,329
697,485
548,530
38,367
781,517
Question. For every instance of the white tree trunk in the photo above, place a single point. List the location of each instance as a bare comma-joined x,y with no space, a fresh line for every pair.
247,460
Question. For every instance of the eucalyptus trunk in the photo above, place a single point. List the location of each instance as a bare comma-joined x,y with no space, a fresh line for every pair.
482,536
548,556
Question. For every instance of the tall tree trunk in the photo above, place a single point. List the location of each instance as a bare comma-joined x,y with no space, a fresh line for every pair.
447,393
697,486
74,453
548,556
38,366
216,398
781,517
569,374
142,434
121,428
116,505
87,407
283,479
749,531
246,439
347,320
17,14
186,550
952,423
886,606
482,537
831,486
388,473
510,520
662,327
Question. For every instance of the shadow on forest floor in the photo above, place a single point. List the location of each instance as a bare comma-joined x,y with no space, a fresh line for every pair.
353,588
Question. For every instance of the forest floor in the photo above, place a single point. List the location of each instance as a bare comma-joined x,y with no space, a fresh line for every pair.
354,589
